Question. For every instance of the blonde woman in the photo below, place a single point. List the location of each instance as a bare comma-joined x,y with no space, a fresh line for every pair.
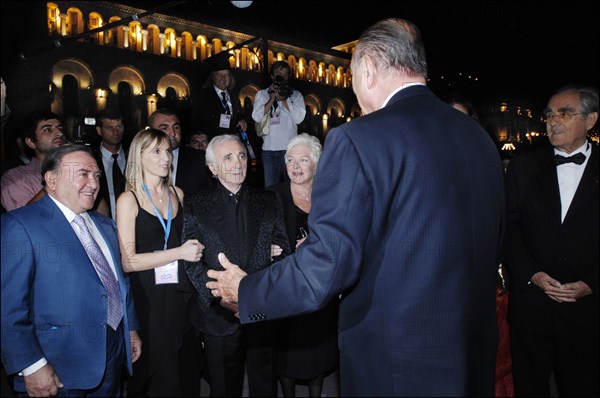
149,223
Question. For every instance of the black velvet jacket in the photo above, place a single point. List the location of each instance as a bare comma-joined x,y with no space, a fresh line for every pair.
204,214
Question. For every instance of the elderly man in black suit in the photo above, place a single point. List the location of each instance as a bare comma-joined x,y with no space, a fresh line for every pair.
189,170
551,250
246,224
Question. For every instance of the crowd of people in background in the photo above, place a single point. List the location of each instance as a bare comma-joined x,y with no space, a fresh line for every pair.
414,265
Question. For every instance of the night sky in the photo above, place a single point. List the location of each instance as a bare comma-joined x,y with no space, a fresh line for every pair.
522,50
517,49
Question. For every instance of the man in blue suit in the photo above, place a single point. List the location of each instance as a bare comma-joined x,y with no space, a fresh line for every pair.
406,223
58,336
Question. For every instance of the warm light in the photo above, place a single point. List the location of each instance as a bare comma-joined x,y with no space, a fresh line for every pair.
508,147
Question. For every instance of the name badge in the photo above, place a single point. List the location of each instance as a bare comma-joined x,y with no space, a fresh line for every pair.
166,274
273,121
225,121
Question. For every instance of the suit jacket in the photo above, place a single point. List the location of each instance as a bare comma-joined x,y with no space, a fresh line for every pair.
211,109
204,213
53,302
289,209
407,222
536,240
104,193
192,173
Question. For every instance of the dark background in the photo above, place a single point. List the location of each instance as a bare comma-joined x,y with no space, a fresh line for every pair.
518,50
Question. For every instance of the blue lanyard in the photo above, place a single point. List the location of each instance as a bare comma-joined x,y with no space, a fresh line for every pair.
166,228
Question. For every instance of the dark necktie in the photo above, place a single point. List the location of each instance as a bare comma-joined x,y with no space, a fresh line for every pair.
275,104
115,309
224,102
118,180
578,158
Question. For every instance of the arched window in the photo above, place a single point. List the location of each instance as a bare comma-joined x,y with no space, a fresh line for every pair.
70,96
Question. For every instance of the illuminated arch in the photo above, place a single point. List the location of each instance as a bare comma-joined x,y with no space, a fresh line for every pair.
175,80
127,74
314,103
336,107
71,66
248,91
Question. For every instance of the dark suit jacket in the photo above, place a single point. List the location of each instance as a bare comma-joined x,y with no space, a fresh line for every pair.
204,212
192,173
211,109
536,240
289,209
53,302
104,193
407,220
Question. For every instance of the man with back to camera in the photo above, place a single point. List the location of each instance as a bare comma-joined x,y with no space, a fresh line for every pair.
407,223
551,251
286,110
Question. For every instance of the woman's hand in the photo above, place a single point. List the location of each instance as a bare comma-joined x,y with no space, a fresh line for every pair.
191,250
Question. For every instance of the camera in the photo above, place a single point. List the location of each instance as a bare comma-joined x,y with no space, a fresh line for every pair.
282,86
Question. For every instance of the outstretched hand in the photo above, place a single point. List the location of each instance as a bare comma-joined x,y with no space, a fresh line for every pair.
226,283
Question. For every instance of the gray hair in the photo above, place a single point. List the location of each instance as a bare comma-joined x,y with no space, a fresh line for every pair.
210,150
588,96
393,43
310,141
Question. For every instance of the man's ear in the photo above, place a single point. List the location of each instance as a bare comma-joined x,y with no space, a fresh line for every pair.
98,130
370,71
29,142
51,177
591,120
213,168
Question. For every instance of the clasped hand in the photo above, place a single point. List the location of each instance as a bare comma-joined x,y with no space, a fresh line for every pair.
562,293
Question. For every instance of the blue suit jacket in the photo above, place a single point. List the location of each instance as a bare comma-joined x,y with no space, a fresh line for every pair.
407,221
53,302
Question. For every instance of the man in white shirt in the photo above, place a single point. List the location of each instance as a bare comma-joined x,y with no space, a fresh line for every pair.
286,110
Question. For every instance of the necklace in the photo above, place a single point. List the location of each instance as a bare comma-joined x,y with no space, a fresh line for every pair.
160,200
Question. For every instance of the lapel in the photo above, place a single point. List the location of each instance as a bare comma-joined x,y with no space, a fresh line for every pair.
547,184
586,187
63,232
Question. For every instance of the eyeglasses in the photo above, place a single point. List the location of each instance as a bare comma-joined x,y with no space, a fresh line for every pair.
560,116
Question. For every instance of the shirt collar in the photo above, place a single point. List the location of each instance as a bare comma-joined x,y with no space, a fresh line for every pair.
68,213
586,148
402,87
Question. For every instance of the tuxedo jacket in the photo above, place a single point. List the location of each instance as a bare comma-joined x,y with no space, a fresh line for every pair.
211,109
406,222
192,173
53,302
537,240
204,214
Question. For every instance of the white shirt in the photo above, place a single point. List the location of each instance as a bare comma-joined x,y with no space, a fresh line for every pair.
107,163
402,87
281,133
569,176
174,165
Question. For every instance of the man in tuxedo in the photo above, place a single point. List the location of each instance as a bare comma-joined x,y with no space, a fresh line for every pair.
245,223
406,224
551,251
111,157
220,110
189,165
68,320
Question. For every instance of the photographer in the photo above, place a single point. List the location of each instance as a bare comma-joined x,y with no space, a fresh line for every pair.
286,110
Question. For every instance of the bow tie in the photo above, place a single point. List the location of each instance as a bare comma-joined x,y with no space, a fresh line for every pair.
578,158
